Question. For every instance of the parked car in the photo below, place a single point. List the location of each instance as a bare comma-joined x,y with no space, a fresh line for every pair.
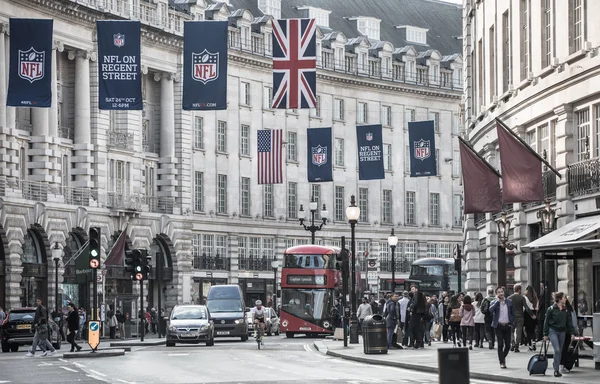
190,324
17,330
271,325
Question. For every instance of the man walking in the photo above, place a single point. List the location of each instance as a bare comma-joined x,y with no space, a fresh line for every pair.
72,327
40,312
485,309
362,312
416,317
403,308
504,317
519,306
392,310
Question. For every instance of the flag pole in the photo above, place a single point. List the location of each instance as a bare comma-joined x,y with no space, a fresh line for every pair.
479,156
540,158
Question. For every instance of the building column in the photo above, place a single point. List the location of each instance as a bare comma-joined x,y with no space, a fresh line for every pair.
9,166
3,74
168,162
474,266
53,133
234,260
491,230
83,135
13,279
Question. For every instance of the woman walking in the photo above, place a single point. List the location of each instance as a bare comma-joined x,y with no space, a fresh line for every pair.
453,319
479,321
531,301
565,350
467,321
557,322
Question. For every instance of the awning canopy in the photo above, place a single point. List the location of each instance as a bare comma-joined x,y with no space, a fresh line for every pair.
568,237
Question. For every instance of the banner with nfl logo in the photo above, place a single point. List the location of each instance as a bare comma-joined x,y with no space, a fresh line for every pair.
119,67
205,65
30,63
421,135
370,152
319,155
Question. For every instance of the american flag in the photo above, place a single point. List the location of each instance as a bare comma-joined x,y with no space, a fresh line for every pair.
294,64
270,143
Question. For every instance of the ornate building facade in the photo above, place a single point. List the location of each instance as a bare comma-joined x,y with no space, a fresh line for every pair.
183,183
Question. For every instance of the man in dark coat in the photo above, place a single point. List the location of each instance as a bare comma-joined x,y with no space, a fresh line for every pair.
416,327
392,311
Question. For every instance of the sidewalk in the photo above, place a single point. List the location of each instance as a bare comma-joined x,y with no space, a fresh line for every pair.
483,363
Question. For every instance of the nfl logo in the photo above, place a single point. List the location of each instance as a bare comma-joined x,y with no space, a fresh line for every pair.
119,40
319,155
205,66
422,151
31,65
369,136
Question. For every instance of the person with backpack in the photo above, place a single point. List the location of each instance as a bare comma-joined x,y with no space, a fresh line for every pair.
453,319
488,317
467,321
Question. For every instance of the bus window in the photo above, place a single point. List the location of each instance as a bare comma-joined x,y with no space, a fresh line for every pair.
309,261
427,270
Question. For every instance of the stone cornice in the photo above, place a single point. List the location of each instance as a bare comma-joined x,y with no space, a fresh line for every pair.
87,55
167,75
4,28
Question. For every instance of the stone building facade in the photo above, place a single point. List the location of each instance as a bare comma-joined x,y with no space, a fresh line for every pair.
183,183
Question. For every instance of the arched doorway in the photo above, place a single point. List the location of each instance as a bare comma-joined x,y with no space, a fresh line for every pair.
3,252
73,289
162,270
117,287
34,279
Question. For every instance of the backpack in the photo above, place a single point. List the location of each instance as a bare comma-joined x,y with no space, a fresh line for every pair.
455,315
485,307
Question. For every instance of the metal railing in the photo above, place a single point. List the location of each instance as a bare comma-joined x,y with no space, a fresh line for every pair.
549,184
120,140
211,263
584,177
66,132
160,204
257,263
399,265
479,219
77,195
35,190
119,200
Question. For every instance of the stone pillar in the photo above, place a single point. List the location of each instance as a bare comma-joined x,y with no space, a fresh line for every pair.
83,135
521,258
474,266
9,165
234,259
15,265
3,74
168,162
53,129
11,112
491,230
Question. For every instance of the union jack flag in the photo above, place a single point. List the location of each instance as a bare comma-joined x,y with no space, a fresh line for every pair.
294,64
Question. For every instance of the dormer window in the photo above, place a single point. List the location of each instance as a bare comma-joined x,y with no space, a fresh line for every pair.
320,15
270,7
415,35
368,26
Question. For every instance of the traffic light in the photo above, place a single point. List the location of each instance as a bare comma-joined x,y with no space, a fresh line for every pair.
146,262
343,262
94,247
133,264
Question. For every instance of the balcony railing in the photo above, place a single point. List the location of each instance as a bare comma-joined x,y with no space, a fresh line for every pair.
584,177
35,190
77,196
66,132
211,263
120,140
161,204
549,185
119,200
258,263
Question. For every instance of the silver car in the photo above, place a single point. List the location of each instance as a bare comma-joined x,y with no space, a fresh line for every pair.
190,324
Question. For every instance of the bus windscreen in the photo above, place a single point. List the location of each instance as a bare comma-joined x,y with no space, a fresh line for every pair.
309,261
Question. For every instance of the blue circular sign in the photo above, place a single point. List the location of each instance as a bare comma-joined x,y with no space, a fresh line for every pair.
94,326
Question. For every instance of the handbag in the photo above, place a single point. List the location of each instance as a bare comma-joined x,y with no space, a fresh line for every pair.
437,331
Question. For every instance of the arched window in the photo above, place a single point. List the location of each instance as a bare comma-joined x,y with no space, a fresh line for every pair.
32,250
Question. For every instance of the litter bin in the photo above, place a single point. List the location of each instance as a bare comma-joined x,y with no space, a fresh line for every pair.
453,365
374,335
127,327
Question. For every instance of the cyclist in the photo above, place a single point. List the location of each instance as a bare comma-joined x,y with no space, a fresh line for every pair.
258,318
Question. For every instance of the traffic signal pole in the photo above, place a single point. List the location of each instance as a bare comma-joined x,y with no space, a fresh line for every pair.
143,319
344,292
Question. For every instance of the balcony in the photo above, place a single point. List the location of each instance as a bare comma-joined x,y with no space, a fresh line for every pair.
66,133
584,177
161,204
117,200
120,140
549,185
211,263
77,196
257,263
34,190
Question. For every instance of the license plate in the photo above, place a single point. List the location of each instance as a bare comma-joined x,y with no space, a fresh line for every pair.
24,326
191,334
304,328
223,333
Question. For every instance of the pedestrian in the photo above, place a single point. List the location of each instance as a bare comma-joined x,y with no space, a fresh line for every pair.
530,319
479,321
453,319
520,307
542,307
40,312
2,315
392,313
504,318
381,306
490,333
120,325
112,324
364,310
467,321
557,322
429,318
73,323
403,302
374,306
82,321
43,332
568,335
441,312
154,320
417,307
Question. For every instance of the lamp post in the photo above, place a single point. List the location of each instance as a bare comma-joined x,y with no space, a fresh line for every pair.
547,215
503,233
352,214
313,206
392,242
275,265
56,256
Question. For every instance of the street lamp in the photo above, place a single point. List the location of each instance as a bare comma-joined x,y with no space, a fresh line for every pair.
275,265
352,214
313,205
503,231
56,256
392,242
547,216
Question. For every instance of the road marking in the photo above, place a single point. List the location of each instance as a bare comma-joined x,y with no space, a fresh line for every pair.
4,381
178,354
63,360
77,364
97,373
123,381
68,369
45,364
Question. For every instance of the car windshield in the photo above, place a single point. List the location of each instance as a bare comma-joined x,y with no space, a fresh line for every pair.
189,313
21,316
308,304
225,305
310,261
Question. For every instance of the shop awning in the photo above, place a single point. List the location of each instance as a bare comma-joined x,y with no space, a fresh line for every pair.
568,237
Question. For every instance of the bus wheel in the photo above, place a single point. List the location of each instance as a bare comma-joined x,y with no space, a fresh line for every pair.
289,335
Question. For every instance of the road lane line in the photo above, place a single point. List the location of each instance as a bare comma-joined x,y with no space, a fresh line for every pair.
68,369
178,354
79,365
97,373
63,360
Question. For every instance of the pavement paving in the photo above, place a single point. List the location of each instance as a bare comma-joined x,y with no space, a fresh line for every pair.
483,363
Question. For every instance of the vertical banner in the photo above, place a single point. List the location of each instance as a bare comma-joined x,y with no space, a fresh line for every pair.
29,81
204,65
421,136
370,152
119,67
319,151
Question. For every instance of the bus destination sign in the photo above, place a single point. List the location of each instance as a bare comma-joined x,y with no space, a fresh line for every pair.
306,280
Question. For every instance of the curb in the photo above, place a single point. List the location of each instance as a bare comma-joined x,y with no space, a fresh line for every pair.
424,368
90,355
138,343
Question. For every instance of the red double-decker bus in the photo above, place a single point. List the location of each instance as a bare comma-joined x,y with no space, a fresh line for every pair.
310,283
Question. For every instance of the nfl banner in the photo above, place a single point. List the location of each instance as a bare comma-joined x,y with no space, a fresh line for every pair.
421,136
370,152
319,155
30,63
205,65
119,67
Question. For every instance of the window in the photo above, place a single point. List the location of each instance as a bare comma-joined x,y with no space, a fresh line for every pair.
410,115
456,169
245,140
221,245
374,66
292,200
362,112
292,146
435,116
577,25
221,193
267,98
547,33
416,35
524,39
386,116
457,209
387,157
315,192
321,16
327,59
245,196
432,250
316,112
410,253
368,26
339,109
455,126
409,207
268,200
434,209
583,134
118,178
245,93
258,44
222,136
422,76
350,63
445,250
363,204
198,132
270,7
492,51
339,152
199,191
340,208
544,140
506,54
386,207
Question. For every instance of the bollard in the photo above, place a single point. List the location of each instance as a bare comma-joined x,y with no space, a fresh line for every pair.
453,366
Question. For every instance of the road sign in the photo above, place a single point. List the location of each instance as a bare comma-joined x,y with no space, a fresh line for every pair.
139,276
94,263
372,263
94,334
99,278
372,277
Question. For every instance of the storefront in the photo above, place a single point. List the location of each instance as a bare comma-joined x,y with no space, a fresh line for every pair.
257,289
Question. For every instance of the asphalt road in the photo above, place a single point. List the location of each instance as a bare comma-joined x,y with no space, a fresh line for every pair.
281,360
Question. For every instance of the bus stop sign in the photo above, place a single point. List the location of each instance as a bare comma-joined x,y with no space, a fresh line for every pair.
94,335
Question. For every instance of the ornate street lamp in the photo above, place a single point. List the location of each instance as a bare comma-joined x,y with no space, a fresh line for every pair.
547,215
313,210
503,232
392,242
352,214
56,256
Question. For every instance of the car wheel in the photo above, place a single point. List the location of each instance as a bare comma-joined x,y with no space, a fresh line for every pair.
14,348
289,335
245,338
5,347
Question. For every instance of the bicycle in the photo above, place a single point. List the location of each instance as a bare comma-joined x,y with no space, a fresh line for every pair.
258,334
